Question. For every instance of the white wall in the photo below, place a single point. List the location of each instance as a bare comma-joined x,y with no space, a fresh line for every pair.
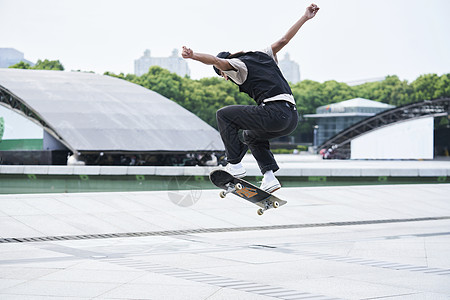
17,127
411,139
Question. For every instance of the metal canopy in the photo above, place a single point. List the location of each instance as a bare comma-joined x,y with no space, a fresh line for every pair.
89,112
434,108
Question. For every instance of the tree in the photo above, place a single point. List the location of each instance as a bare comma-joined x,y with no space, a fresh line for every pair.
425,87
48,65
391,90
20,65
442,87
163,82
40,65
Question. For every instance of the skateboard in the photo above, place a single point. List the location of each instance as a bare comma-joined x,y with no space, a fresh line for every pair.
245,190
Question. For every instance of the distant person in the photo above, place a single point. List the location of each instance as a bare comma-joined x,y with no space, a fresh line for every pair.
258,75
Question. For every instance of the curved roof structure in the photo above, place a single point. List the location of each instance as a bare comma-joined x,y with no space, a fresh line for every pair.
360,102
350,108
435,108
89,112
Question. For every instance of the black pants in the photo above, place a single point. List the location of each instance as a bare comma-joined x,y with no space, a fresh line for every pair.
259,124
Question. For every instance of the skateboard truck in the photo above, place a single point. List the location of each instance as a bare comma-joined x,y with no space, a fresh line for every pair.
231,187
268,204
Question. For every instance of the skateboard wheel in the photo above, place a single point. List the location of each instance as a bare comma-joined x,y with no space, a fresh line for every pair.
260,211
222,194
238,186
275,204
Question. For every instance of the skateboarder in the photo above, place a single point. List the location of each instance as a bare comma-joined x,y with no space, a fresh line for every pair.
258,75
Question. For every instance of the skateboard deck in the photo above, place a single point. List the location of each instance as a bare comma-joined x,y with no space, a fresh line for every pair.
245,190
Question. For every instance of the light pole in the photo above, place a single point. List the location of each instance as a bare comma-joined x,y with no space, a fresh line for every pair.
315,142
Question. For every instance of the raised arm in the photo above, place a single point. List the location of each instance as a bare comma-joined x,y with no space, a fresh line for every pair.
309,14
207,59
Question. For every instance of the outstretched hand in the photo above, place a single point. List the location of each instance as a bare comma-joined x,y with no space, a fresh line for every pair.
311,11
187,52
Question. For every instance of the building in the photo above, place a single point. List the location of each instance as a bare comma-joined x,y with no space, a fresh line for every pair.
290,69
333,118
173,63
45,115
11,56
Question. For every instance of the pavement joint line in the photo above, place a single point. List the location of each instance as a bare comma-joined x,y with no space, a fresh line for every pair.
265,288
247,286
285,293
196,276
234,285
213,230
275,291
219,281
305,297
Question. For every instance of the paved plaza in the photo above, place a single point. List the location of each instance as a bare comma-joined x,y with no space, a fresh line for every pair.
361,242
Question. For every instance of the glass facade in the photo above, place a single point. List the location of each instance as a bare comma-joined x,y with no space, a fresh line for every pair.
331,126
336,117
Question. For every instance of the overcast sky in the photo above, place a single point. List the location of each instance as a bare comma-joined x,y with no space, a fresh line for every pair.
348,40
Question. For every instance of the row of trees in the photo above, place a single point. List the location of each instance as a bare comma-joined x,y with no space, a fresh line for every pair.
205,96
40,65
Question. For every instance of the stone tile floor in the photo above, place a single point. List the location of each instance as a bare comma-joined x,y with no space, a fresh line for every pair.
364,242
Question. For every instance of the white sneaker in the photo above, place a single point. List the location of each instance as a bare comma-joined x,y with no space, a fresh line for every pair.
237,172
270,186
